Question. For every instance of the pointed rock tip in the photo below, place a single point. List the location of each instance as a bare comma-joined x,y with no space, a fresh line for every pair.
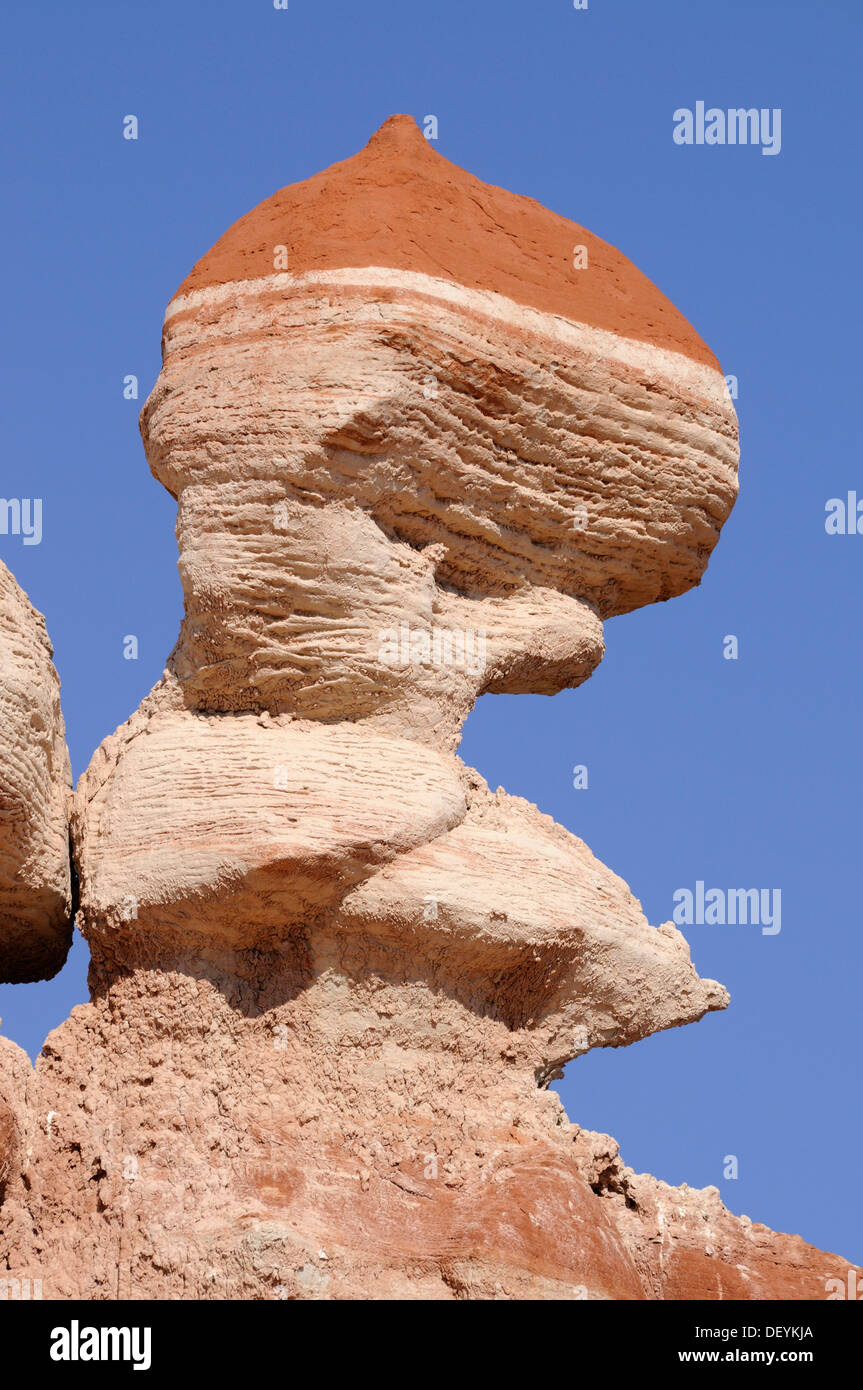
399,123
399,132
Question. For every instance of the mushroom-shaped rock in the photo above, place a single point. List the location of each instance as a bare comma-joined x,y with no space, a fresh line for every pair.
396,403
424,436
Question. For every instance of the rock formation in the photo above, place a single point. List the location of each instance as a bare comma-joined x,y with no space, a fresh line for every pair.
424,436
35,784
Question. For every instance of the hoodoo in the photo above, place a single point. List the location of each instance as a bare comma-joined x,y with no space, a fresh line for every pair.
332,970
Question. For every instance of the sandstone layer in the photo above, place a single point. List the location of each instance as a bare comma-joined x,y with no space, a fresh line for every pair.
35,784
478,438
418,455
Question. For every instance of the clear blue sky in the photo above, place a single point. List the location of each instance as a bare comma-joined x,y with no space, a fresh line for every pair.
743,773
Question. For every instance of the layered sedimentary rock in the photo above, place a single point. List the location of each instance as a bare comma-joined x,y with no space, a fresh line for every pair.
420,450
429,420
276,823
35,784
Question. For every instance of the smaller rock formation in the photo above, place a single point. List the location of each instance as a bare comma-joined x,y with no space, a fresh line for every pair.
35,783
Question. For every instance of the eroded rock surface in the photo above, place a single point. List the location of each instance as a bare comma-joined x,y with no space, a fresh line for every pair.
428,421
35,784
333,972
323,1124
